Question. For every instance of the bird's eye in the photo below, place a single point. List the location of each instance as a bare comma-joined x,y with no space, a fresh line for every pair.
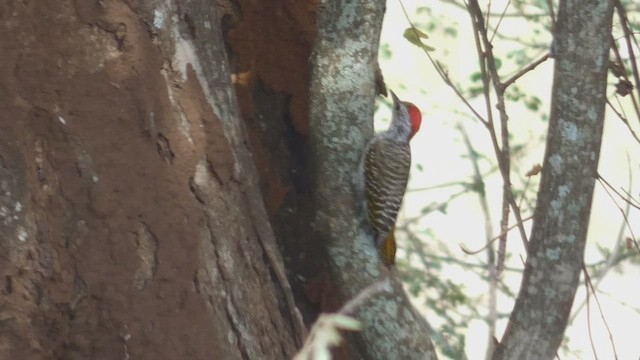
398,107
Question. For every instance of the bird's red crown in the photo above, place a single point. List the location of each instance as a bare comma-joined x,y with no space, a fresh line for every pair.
415,116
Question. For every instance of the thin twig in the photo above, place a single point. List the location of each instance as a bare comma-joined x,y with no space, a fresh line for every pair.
624,216
491,256
502,155
593,346
499,20
620,258
486,18
518,14
623,119
525,70
445,75
424,259
474,252
552,15
624,21
630,197
627,199
352,305
440,186
524,191
606,324
614,257
616,52
432,207
449,259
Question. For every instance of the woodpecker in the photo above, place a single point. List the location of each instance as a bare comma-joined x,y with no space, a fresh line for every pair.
387,162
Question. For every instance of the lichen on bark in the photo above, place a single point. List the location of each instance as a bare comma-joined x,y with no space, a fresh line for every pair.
561,217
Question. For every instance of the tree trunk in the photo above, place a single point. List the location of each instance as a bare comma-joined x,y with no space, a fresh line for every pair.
131,221
555,255
341,120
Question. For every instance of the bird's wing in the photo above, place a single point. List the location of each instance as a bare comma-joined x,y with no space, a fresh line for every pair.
387,165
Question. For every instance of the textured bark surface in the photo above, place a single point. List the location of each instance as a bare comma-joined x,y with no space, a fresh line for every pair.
561,218
131,224
269,48
341,120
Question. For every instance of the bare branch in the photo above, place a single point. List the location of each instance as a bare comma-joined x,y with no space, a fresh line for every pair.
628,35
624,216
492,316
326,331
552,14
588,292
444,74
525,70
627,198
440,186
517,14
352,305
614,258
616,52
492,240
587,280
623,119
495,30
487,62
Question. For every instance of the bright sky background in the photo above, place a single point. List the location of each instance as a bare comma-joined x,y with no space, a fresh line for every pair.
438,147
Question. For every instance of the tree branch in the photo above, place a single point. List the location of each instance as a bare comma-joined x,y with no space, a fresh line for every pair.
561,217
616,52
614,257
444,74
628,35
488,63
623,119
525,70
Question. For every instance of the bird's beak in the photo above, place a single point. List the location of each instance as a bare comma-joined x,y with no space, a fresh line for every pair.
394,97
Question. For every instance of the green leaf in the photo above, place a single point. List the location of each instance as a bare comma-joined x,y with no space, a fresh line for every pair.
451,31
533,103
415,37
385,51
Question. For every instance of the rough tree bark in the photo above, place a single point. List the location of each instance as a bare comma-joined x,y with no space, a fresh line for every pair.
561,218
130,219
341,115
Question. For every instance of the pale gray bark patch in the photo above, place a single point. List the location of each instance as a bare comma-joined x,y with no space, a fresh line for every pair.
536,326
147,249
